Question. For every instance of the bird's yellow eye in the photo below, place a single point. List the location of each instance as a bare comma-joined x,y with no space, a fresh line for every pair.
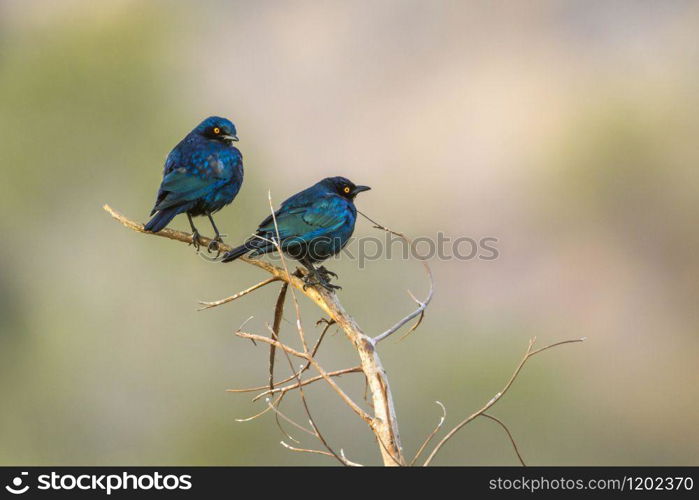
346,189
217,130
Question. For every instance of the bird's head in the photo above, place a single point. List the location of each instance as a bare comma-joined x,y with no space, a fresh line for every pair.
344,187
218,129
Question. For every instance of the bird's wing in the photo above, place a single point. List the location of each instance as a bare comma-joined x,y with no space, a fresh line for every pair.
184,184
296,204
319,218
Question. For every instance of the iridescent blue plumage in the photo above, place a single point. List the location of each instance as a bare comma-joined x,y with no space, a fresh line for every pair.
313,225
202,174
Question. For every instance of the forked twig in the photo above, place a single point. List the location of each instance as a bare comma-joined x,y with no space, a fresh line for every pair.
422,305
497,397
260,338
329,323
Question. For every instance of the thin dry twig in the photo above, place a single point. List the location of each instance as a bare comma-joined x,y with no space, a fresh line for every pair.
278,314
431,434
336,373
329,323
509,435
209,305
278,422
260,338
273,405
259,414
345,460
497,397
422,305
311,420
306,450
283,415
349,462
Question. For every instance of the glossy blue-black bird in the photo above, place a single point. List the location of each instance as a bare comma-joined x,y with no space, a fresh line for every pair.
202,174
313,225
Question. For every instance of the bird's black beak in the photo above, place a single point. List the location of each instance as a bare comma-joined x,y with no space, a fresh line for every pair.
233,138
359,189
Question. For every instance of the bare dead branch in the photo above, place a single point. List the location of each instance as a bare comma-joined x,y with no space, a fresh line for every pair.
315,294
495,398
384,423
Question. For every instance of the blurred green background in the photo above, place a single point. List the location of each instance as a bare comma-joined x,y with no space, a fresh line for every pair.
567,130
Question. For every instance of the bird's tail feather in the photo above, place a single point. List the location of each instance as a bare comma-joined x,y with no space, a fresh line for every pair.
161,219
237,252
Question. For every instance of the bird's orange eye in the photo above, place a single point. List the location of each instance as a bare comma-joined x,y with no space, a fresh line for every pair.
346,189
217,130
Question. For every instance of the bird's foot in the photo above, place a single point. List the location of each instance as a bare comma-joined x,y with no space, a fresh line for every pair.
329,286
214,245
324,278
196,240
325,273
320,278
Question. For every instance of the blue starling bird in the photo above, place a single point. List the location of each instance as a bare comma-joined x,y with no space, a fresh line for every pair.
202,174
313,225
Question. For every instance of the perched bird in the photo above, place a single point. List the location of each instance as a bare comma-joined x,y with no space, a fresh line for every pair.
313,225
202,174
